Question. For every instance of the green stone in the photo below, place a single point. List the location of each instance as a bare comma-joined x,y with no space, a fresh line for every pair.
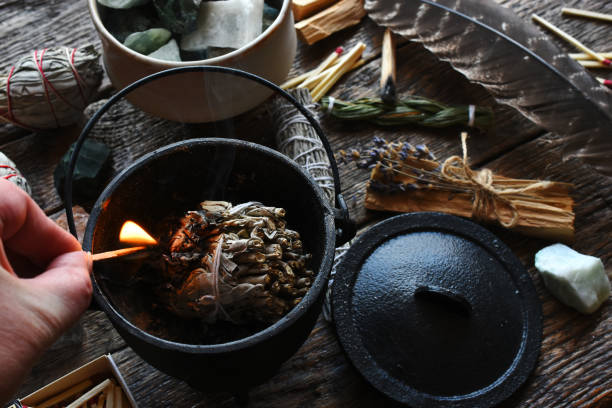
179,16
122,4
577,280
145,42
121,23
88,176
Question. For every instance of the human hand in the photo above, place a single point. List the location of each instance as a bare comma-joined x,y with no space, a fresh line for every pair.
44,285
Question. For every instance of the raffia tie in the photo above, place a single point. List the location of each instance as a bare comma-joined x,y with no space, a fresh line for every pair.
487,198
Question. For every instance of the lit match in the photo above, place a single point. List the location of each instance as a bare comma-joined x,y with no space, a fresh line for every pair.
130,233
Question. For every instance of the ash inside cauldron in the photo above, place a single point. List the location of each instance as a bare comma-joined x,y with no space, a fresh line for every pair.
224,272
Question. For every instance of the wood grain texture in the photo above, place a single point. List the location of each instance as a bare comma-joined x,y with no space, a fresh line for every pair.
575,365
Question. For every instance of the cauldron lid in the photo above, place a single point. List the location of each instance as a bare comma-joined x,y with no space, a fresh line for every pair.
434,310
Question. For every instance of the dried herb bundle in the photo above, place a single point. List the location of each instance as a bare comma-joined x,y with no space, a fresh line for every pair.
298,140
49,88
235,263
414,110
405,178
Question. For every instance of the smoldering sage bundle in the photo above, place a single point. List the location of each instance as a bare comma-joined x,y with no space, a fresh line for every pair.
49,88
234,263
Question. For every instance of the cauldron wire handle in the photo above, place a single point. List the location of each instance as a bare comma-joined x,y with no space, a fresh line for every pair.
345,226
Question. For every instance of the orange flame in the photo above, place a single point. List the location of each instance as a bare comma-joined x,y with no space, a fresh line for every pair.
132,233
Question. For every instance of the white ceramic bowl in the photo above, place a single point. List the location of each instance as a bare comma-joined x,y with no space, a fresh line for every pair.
198,97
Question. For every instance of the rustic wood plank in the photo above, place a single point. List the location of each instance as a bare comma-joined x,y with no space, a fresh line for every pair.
574,344
576,355
574,366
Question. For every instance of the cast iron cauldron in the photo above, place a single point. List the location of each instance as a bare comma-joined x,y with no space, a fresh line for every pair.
180,176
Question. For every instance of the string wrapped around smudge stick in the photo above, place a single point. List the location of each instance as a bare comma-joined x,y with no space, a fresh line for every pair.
234,263
49,88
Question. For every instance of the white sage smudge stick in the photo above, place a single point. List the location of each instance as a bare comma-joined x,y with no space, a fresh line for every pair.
297,139
49,88
10,172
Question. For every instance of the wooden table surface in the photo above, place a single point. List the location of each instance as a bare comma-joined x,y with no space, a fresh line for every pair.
575,364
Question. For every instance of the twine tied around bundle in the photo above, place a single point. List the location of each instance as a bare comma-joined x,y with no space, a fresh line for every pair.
487,197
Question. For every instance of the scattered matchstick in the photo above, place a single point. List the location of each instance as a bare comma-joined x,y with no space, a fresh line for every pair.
117,253
605,82
593,64
562,34
311,79
335,73
581,56
329,61
388,92
568,11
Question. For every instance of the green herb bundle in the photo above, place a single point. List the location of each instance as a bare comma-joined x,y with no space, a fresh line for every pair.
414,110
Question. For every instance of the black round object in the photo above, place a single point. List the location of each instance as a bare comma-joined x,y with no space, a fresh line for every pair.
180,176
435,311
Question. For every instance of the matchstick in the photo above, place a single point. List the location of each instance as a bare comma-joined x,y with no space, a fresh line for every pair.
313,81
562,34
594,64
66,394
581,56
587,14
336,72
388,92
605,82
90,394
117,253
329,61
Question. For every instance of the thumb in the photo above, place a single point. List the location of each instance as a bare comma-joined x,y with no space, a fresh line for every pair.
36,311
64,289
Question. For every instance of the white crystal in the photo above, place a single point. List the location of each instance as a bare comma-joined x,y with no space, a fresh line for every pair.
577,280
168,52
225,24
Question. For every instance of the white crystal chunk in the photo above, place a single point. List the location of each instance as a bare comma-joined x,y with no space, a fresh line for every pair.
577,280
225,24
168,52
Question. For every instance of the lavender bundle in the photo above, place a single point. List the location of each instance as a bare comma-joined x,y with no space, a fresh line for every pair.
406,178
235,263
